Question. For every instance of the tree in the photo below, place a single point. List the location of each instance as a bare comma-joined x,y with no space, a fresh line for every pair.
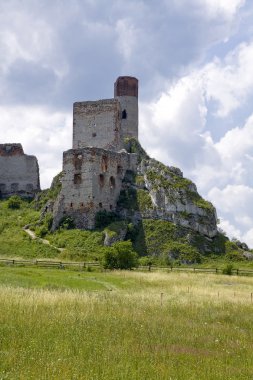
120,256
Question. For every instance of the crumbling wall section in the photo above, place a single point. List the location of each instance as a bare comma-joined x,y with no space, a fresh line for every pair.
97,123
19,173
91,182
129,117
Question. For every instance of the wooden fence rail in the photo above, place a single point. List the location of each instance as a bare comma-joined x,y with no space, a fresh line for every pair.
49,263
86,264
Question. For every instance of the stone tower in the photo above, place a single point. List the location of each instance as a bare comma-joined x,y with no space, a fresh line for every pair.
106,123
93,170
126,91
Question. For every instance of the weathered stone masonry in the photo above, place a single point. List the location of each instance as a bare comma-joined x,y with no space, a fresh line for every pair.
19,173
93,170
97,124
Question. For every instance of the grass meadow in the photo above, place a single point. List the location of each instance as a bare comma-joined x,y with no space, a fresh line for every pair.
65,324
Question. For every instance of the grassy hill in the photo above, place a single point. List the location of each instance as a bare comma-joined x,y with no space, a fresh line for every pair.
14,242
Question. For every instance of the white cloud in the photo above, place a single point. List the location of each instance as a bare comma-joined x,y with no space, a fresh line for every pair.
178,119
25,36
212,8
127,38
237,143
248,237
227,8
230,82
237,199
174,122
42,132
230,230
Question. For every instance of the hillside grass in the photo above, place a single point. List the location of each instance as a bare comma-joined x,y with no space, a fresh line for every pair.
114,326
14,242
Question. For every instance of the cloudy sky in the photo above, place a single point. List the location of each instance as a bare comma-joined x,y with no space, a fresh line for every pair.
194,61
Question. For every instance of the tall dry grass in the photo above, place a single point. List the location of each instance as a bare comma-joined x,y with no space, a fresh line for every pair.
199,328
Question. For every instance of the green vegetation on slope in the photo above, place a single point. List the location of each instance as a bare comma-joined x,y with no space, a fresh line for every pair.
78,245
167,243
135,200
14,242
49,194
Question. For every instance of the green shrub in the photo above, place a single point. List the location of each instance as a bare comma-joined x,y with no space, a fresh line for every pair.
148,261
103,218
128,199
180,251
43,228
117,227
120,256
41,231
228,269
149,236
48,220
14,202
233,252
67,223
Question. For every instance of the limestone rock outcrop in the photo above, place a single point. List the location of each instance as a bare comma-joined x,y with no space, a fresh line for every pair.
157,191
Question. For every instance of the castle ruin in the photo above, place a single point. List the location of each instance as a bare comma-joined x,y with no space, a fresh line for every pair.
94,168
19,173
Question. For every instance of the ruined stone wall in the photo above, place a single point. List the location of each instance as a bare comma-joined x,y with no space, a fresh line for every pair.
19,173
129,117
91,182
97,124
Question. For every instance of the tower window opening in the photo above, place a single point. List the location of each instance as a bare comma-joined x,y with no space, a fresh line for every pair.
110,207
112,182
100,205
119,169
77,179
94,134
104,163
71,204
14,186
124,114
78,161
101,180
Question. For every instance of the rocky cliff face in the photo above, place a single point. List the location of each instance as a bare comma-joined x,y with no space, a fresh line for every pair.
158,191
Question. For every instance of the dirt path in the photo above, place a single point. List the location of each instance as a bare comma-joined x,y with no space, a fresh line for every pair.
44,241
